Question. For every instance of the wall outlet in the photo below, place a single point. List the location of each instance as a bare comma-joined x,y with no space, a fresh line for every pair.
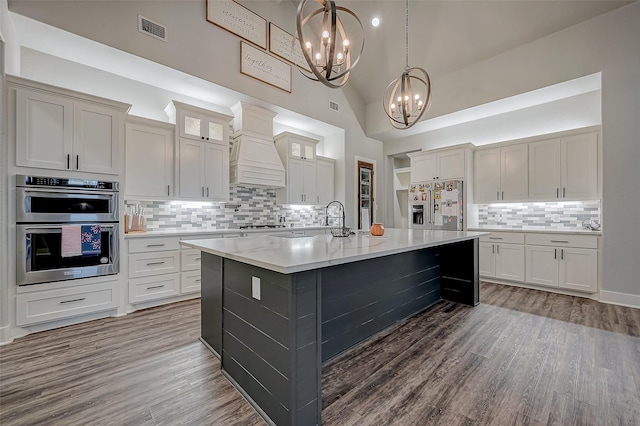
255,288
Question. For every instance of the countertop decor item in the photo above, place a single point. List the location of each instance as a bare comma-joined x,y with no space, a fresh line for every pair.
377,230
329,53
408,97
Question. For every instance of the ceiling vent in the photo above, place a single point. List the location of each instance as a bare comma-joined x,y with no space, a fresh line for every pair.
155,30
334,106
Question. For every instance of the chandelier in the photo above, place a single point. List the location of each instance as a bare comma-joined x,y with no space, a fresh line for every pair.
328,50
408,97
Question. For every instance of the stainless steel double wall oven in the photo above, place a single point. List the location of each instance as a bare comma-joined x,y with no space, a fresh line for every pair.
45,205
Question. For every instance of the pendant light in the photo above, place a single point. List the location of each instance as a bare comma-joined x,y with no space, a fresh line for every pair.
408,97
328,50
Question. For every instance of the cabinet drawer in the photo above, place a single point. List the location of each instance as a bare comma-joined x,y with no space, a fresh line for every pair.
146,245
147,264
190,282
563,240
503,237
53,305
209,237
152,288
190,260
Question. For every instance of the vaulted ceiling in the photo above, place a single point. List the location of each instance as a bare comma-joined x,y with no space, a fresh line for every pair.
449,35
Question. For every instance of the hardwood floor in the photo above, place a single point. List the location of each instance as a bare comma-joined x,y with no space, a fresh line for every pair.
520,357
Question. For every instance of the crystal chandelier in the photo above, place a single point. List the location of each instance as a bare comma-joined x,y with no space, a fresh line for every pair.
328,50
408,97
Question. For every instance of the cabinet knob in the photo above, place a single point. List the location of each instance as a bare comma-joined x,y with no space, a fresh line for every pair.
202,137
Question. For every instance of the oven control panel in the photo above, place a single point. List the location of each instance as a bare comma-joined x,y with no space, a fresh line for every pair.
68,183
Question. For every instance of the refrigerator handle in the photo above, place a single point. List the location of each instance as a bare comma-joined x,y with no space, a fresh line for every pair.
431,207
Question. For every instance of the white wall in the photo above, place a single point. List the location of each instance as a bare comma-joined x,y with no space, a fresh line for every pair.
607,44
4,255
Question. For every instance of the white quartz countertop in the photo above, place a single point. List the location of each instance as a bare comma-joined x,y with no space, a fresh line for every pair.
538,230
290,255
204,231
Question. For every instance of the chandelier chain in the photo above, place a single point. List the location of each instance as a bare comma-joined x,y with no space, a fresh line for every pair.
406,35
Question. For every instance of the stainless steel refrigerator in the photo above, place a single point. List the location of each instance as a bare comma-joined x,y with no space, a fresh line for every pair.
436,205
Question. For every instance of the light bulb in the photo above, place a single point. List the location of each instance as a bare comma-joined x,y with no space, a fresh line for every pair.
399,99
345,43
406,98
375,22
393,106
340,56
417,97
325,34
308,44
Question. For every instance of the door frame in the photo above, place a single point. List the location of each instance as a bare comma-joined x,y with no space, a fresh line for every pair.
371,163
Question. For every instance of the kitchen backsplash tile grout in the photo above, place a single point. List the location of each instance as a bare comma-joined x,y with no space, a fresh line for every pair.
256,206
566,215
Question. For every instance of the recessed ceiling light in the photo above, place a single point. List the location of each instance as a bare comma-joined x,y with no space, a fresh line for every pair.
375,22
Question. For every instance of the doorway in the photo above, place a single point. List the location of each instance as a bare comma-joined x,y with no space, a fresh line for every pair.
365,194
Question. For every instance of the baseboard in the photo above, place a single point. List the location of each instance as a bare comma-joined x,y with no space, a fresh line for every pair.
622,299
566,292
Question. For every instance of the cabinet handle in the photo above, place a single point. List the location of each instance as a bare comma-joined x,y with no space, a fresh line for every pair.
559,241
68,161
493,248
502,195
168,189
564,192
196,259
77,162
155,263
207,192
155,245
203,191
555,253
498,195
318,199
561,254
497,248
72,300
202,137
301,197
155,286
198,280
495,238
557,192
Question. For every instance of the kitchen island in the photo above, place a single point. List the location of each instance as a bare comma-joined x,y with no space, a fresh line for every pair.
274,308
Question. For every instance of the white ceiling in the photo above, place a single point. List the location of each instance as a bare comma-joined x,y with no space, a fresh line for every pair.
449,35
445,36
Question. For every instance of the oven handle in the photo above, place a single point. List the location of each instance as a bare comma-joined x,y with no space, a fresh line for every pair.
57,229
56,193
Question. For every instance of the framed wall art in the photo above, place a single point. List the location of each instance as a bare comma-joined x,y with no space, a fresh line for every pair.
238,20
264,67
286,46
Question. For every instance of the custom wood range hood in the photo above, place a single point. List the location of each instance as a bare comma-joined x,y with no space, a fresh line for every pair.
254,160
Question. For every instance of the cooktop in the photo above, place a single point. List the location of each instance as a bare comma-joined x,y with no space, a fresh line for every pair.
261,226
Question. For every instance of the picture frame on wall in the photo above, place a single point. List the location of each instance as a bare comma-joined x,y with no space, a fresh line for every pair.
264,67
286,46
238,20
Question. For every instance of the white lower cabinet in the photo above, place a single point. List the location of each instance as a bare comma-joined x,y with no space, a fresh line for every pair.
154,287
502,256
51,305
563,267
159,268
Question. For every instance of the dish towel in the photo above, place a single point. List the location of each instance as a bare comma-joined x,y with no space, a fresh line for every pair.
71,241
91,240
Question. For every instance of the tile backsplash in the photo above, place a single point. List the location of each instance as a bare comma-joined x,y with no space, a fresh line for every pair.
565,215
246,206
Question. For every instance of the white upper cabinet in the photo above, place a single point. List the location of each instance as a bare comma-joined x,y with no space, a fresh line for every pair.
149,147
500,174
298,153
202,161
325,172
579,166
440,165
57,129
564,168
